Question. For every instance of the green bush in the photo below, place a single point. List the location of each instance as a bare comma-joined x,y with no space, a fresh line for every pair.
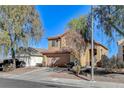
77,69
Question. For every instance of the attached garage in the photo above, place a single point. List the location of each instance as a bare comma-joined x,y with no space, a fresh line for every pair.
58,58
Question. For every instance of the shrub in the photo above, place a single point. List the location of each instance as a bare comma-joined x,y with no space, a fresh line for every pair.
105,61
120,65
77,69
111,64
7,67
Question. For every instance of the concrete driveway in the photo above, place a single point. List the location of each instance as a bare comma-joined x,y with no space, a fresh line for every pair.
37,75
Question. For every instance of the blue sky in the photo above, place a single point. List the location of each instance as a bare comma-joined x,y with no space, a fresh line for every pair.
55,18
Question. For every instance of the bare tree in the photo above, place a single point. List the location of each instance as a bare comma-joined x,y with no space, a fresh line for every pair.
75,42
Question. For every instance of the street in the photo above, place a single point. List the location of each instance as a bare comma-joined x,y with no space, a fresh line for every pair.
11,83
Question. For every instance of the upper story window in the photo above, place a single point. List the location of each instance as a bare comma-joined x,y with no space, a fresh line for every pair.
95,52
54,43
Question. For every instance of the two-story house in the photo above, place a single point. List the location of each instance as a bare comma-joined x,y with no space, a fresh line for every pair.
59,56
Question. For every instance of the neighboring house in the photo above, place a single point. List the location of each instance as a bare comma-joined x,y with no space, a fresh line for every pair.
59,56
120,54
31,56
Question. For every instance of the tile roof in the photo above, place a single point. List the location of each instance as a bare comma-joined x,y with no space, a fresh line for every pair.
30,50
60,51
97,43
58,36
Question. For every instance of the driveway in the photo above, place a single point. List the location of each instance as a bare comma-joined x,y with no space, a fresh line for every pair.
38,74
38,77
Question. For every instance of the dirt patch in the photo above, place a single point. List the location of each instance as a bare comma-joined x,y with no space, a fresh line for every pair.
68,76
118,78
110,78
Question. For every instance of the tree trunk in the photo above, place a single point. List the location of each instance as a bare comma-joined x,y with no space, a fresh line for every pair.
13,58
12,50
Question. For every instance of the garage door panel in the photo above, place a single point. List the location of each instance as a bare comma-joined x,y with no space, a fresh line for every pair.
58,59
35,60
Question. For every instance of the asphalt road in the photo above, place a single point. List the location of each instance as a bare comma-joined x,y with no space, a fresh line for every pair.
12,83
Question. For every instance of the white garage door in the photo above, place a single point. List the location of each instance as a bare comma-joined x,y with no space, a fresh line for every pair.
35,60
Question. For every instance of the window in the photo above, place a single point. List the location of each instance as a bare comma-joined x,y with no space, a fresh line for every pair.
54,43
95,51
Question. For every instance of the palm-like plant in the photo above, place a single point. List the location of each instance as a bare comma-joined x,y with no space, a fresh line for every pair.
80,25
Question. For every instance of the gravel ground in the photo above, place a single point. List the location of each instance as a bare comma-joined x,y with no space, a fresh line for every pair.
118,78
19,70
68,76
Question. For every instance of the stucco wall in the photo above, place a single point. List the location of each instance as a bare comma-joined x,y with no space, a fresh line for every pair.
63,42
86,57
100,51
